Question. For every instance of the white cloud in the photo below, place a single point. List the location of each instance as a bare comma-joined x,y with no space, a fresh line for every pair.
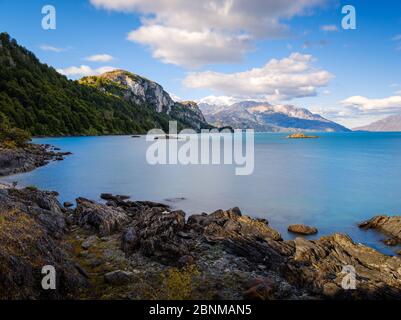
284,79
83,71
175,97
191,48
99,58
46,47
219,100
397,37
329,28
363,104
194,33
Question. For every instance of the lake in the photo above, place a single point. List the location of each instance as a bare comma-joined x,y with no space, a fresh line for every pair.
331,183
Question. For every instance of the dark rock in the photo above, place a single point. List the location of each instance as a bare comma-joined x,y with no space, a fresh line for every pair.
32,224
388,225
18,160
221,225
156,235
261,289
390,242
129,241
186,261
102,218
68,204
314,262
302,229
89,242
118,277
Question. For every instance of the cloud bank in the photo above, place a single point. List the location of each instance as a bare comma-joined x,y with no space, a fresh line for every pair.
84,71
100,58
197,33
285,79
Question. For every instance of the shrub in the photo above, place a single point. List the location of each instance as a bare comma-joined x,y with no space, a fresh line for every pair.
13,137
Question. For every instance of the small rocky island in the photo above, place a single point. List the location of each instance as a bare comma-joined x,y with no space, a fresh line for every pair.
301,136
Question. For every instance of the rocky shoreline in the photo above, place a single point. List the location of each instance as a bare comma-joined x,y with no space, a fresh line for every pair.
127,249
13,161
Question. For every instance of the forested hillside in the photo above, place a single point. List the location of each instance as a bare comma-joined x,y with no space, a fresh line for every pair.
36,98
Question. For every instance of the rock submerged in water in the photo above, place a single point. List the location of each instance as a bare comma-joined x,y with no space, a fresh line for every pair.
302,229
389,225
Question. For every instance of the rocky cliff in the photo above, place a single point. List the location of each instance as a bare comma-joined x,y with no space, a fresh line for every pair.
141,91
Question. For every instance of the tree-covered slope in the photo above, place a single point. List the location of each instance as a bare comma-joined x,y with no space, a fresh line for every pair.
36,98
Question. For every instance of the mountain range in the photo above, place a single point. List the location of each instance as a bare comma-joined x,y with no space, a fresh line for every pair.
36,98
264,117
389,124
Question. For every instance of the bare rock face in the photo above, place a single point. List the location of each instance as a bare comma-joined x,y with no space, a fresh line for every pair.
223,224
320,267
155,233
104,219
388,225
31,227
25,159
136,89
141,91
302,229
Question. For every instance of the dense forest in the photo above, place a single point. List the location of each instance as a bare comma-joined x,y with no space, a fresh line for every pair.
36,98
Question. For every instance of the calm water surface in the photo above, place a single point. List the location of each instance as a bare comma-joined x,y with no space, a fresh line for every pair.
332,183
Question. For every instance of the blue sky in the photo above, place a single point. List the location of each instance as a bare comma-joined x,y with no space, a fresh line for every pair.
224,49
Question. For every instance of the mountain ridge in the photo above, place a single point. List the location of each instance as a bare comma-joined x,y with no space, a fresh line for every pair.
140,90
265,117
391,123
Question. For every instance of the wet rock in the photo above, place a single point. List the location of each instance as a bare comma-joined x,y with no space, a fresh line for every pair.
318,265
392,242
24,159
118,277
386,224
68,204
105,220
109,196
302,229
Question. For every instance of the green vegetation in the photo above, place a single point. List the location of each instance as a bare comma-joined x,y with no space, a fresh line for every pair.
36,98
11,138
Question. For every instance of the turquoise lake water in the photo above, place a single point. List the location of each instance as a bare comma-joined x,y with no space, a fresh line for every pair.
332,183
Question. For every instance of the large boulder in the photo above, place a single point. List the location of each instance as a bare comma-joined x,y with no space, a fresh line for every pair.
221,225
104,219
302,229
155,233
